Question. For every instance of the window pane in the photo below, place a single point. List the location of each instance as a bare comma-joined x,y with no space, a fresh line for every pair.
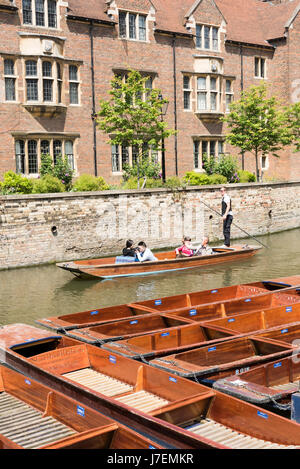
115,158
262,68
212,149
122,24
57,150
31,68
52,14
47,90
142,28
204,147
132,26
47,69
73,72
186,82
196,154
27,11
201,101
32,157
206,37
213,84
201,83
20,156
73,93
125,156
32,90
9,67
199,35
10,93
220,147
69,152
45,147
186,99
228,86
213,101
39,13
256,66
215,38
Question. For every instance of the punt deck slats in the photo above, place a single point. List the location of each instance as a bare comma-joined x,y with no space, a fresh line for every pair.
99,382
143,400
231,438
26,425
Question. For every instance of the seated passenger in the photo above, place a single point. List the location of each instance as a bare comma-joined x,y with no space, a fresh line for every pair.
186,250
203,249
129,250
144,254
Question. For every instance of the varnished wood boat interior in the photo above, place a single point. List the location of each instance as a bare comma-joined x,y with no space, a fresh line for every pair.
222,359
162,343
228,422
125,380
258,321
266,382
33,416
284,335
128,328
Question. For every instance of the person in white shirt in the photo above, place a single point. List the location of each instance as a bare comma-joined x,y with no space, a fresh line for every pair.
227,216
144,254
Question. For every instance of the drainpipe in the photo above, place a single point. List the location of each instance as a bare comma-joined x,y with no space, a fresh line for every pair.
175,103
242,89
93,115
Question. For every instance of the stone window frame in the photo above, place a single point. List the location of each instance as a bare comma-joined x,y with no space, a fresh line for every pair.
122,74
125,27
40,79
24,150
208,92
201,37
32,14
12,77
121,155
229,94
74,83
187,92
260,71
203,145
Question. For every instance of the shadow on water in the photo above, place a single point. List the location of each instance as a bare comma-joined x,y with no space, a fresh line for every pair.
31,293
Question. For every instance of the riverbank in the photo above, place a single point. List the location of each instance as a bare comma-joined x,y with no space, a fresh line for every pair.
46,228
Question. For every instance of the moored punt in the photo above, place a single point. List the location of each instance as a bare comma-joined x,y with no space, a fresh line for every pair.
106,268
118,330
204,304
223,359
34,416
158,344
178,412
256,322
269,383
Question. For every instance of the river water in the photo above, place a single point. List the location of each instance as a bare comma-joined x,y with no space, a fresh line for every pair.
27,294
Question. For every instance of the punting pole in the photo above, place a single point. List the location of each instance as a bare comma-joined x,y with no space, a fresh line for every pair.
248,234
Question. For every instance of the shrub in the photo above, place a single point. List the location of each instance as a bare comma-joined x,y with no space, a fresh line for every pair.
61,169
48,184
246,176
147,167
88,182
15,184
196,179
173,182
152,183
209,164
228,167
217,179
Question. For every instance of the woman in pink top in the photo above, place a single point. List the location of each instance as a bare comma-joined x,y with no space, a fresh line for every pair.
186,249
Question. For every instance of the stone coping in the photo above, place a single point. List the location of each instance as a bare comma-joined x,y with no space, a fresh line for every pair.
88,194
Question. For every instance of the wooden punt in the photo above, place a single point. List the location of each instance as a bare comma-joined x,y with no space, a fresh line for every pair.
204,304
34,416
184,404
119,330
256,322
223,359
158,344
269,383
106,268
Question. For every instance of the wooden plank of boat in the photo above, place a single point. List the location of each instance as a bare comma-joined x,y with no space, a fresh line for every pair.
172,423
204,304
34,416
117,330
267,383
223,359
106,268
158,344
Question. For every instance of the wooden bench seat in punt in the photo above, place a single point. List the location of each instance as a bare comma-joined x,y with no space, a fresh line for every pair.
158,344
222,359
181,304
119,330
33,416
266,383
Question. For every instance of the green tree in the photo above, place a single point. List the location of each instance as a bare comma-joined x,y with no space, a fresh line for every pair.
293,118
258,124
132,116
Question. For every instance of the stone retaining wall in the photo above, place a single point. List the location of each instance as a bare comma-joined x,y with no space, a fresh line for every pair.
37,229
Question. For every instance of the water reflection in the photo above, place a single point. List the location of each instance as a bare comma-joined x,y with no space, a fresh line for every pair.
36,292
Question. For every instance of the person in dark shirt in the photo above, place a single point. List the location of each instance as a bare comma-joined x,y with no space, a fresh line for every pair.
227,216
129,250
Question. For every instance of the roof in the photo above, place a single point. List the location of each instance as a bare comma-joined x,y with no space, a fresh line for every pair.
93,9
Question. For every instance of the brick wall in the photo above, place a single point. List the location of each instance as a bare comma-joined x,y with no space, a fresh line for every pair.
36,229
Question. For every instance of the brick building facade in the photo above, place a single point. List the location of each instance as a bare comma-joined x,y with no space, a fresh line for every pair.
57,59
